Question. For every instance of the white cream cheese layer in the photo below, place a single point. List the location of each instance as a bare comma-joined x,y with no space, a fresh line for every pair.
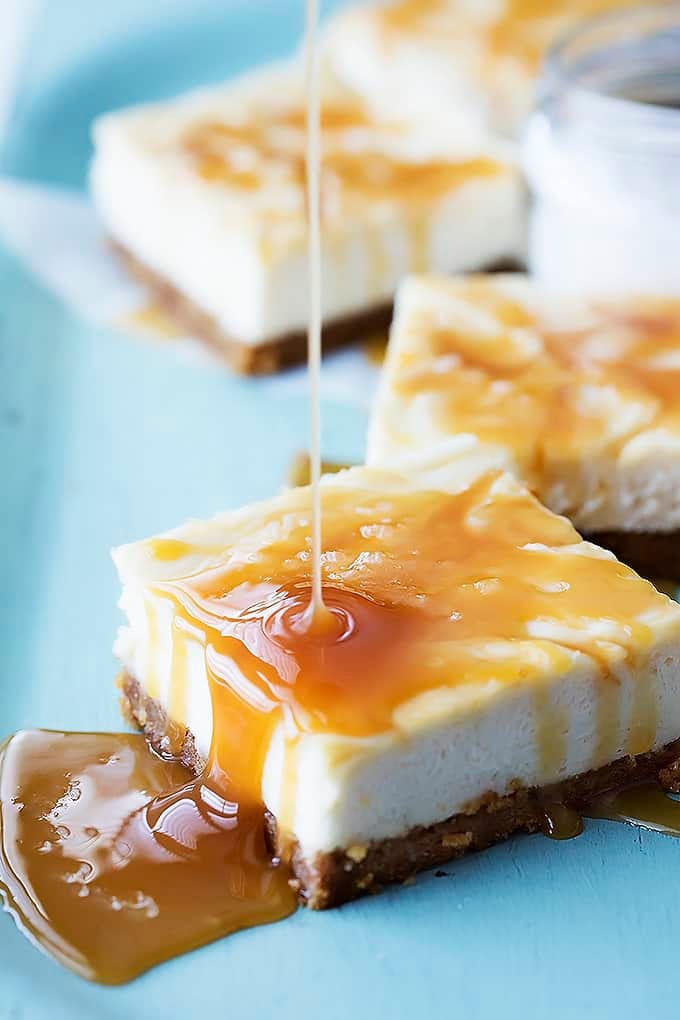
447,747
208,192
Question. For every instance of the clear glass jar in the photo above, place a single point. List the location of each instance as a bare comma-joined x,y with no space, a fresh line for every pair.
602,156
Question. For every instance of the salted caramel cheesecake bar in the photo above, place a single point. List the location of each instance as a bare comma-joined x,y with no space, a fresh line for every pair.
580,396
487,663
206,198
470,64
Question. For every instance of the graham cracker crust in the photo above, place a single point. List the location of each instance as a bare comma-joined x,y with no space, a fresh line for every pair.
271,355
330,879
651,553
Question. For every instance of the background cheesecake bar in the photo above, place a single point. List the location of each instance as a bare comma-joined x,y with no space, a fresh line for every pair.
580,396
469,63
492,663
205,196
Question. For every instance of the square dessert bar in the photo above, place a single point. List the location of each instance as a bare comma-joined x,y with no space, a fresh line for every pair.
580,397
488,663
205,197
470,64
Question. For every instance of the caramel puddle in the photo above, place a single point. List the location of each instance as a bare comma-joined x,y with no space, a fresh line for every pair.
113,860
645,805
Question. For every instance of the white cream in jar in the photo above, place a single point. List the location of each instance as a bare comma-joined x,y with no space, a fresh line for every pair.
602,156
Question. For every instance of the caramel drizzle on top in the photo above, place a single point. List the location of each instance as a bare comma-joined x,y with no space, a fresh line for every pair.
268,149
546,393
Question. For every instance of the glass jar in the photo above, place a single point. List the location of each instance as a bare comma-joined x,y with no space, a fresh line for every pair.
602,156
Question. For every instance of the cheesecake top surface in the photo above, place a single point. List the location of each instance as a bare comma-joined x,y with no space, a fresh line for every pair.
242,146
552,381
520,30
460,582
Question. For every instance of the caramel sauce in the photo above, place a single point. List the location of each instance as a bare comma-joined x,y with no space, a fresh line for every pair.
561,822
549,393
645,805
114,860
275,151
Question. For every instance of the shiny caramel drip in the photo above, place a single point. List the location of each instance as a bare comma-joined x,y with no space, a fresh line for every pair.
551,732
561,822
177,701
645,805
114,860
151,678
533,387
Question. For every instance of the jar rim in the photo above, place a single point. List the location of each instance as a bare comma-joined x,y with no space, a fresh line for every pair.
563,71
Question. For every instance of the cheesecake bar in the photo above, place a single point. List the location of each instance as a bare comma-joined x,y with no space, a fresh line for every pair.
469,63
581,396
489,664
205,197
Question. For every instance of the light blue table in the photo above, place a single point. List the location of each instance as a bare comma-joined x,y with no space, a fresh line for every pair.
104,439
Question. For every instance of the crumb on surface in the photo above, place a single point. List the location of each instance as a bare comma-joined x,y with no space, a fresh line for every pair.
457,839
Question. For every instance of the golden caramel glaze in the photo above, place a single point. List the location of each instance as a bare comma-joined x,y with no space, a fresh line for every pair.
561,822
114,860
428,590
490,358
269,150
645,805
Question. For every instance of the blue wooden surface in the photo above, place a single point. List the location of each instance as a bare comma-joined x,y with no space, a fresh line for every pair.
105,439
